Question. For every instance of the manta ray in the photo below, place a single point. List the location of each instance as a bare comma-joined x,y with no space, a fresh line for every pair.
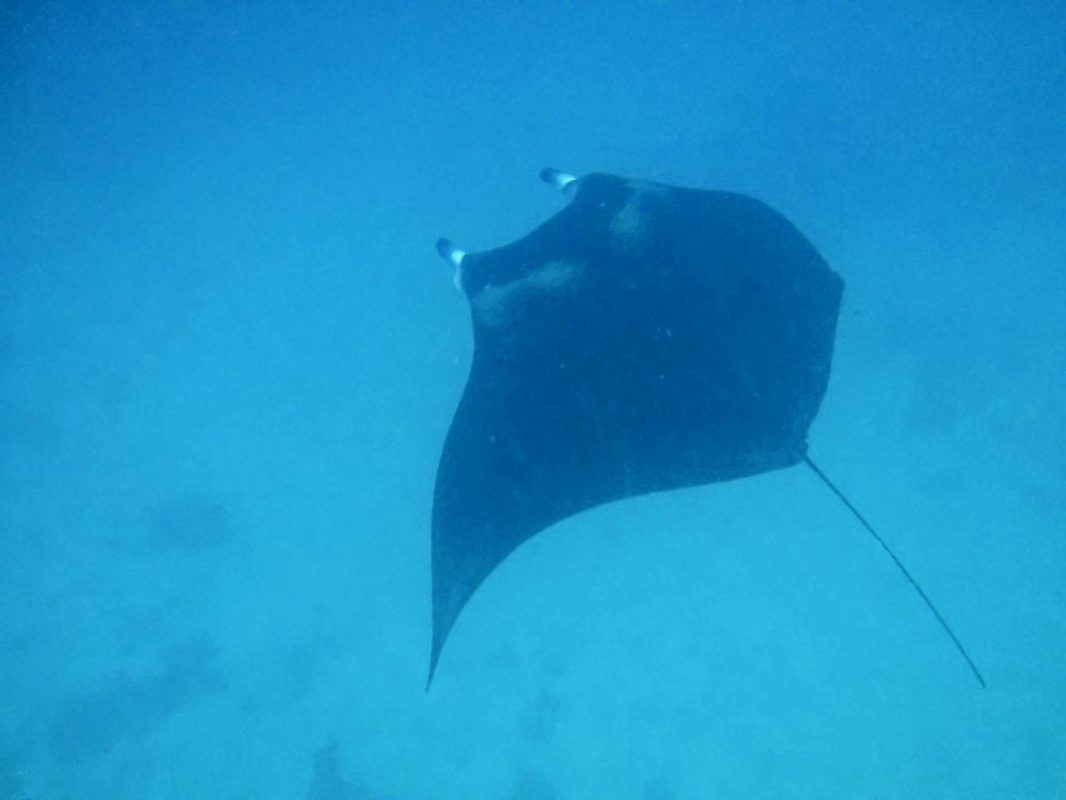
644,338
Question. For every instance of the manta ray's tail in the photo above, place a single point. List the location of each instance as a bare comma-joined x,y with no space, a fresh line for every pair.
906,574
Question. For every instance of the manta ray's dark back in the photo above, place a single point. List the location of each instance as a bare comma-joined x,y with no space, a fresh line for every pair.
644,338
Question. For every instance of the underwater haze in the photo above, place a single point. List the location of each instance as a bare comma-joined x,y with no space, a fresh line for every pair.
229,355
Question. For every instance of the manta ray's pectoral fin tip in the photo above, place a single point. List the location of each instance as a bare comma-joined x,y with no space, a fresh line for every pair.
436,647
556,178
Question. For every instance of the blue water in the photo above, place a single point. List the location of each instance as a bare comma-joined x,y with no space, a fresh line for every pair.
229,355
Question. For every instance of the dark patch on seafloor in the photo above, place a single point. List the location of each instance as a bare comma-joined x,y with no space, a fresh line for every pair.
330,782
127,706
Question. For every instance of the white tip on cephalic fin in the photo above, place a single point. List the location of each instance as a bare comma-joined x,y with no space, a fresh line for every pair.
454,256
560,180
450,253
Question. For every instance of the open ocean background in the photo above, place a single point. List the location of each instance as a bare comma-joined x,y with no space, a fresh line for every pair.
229,355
